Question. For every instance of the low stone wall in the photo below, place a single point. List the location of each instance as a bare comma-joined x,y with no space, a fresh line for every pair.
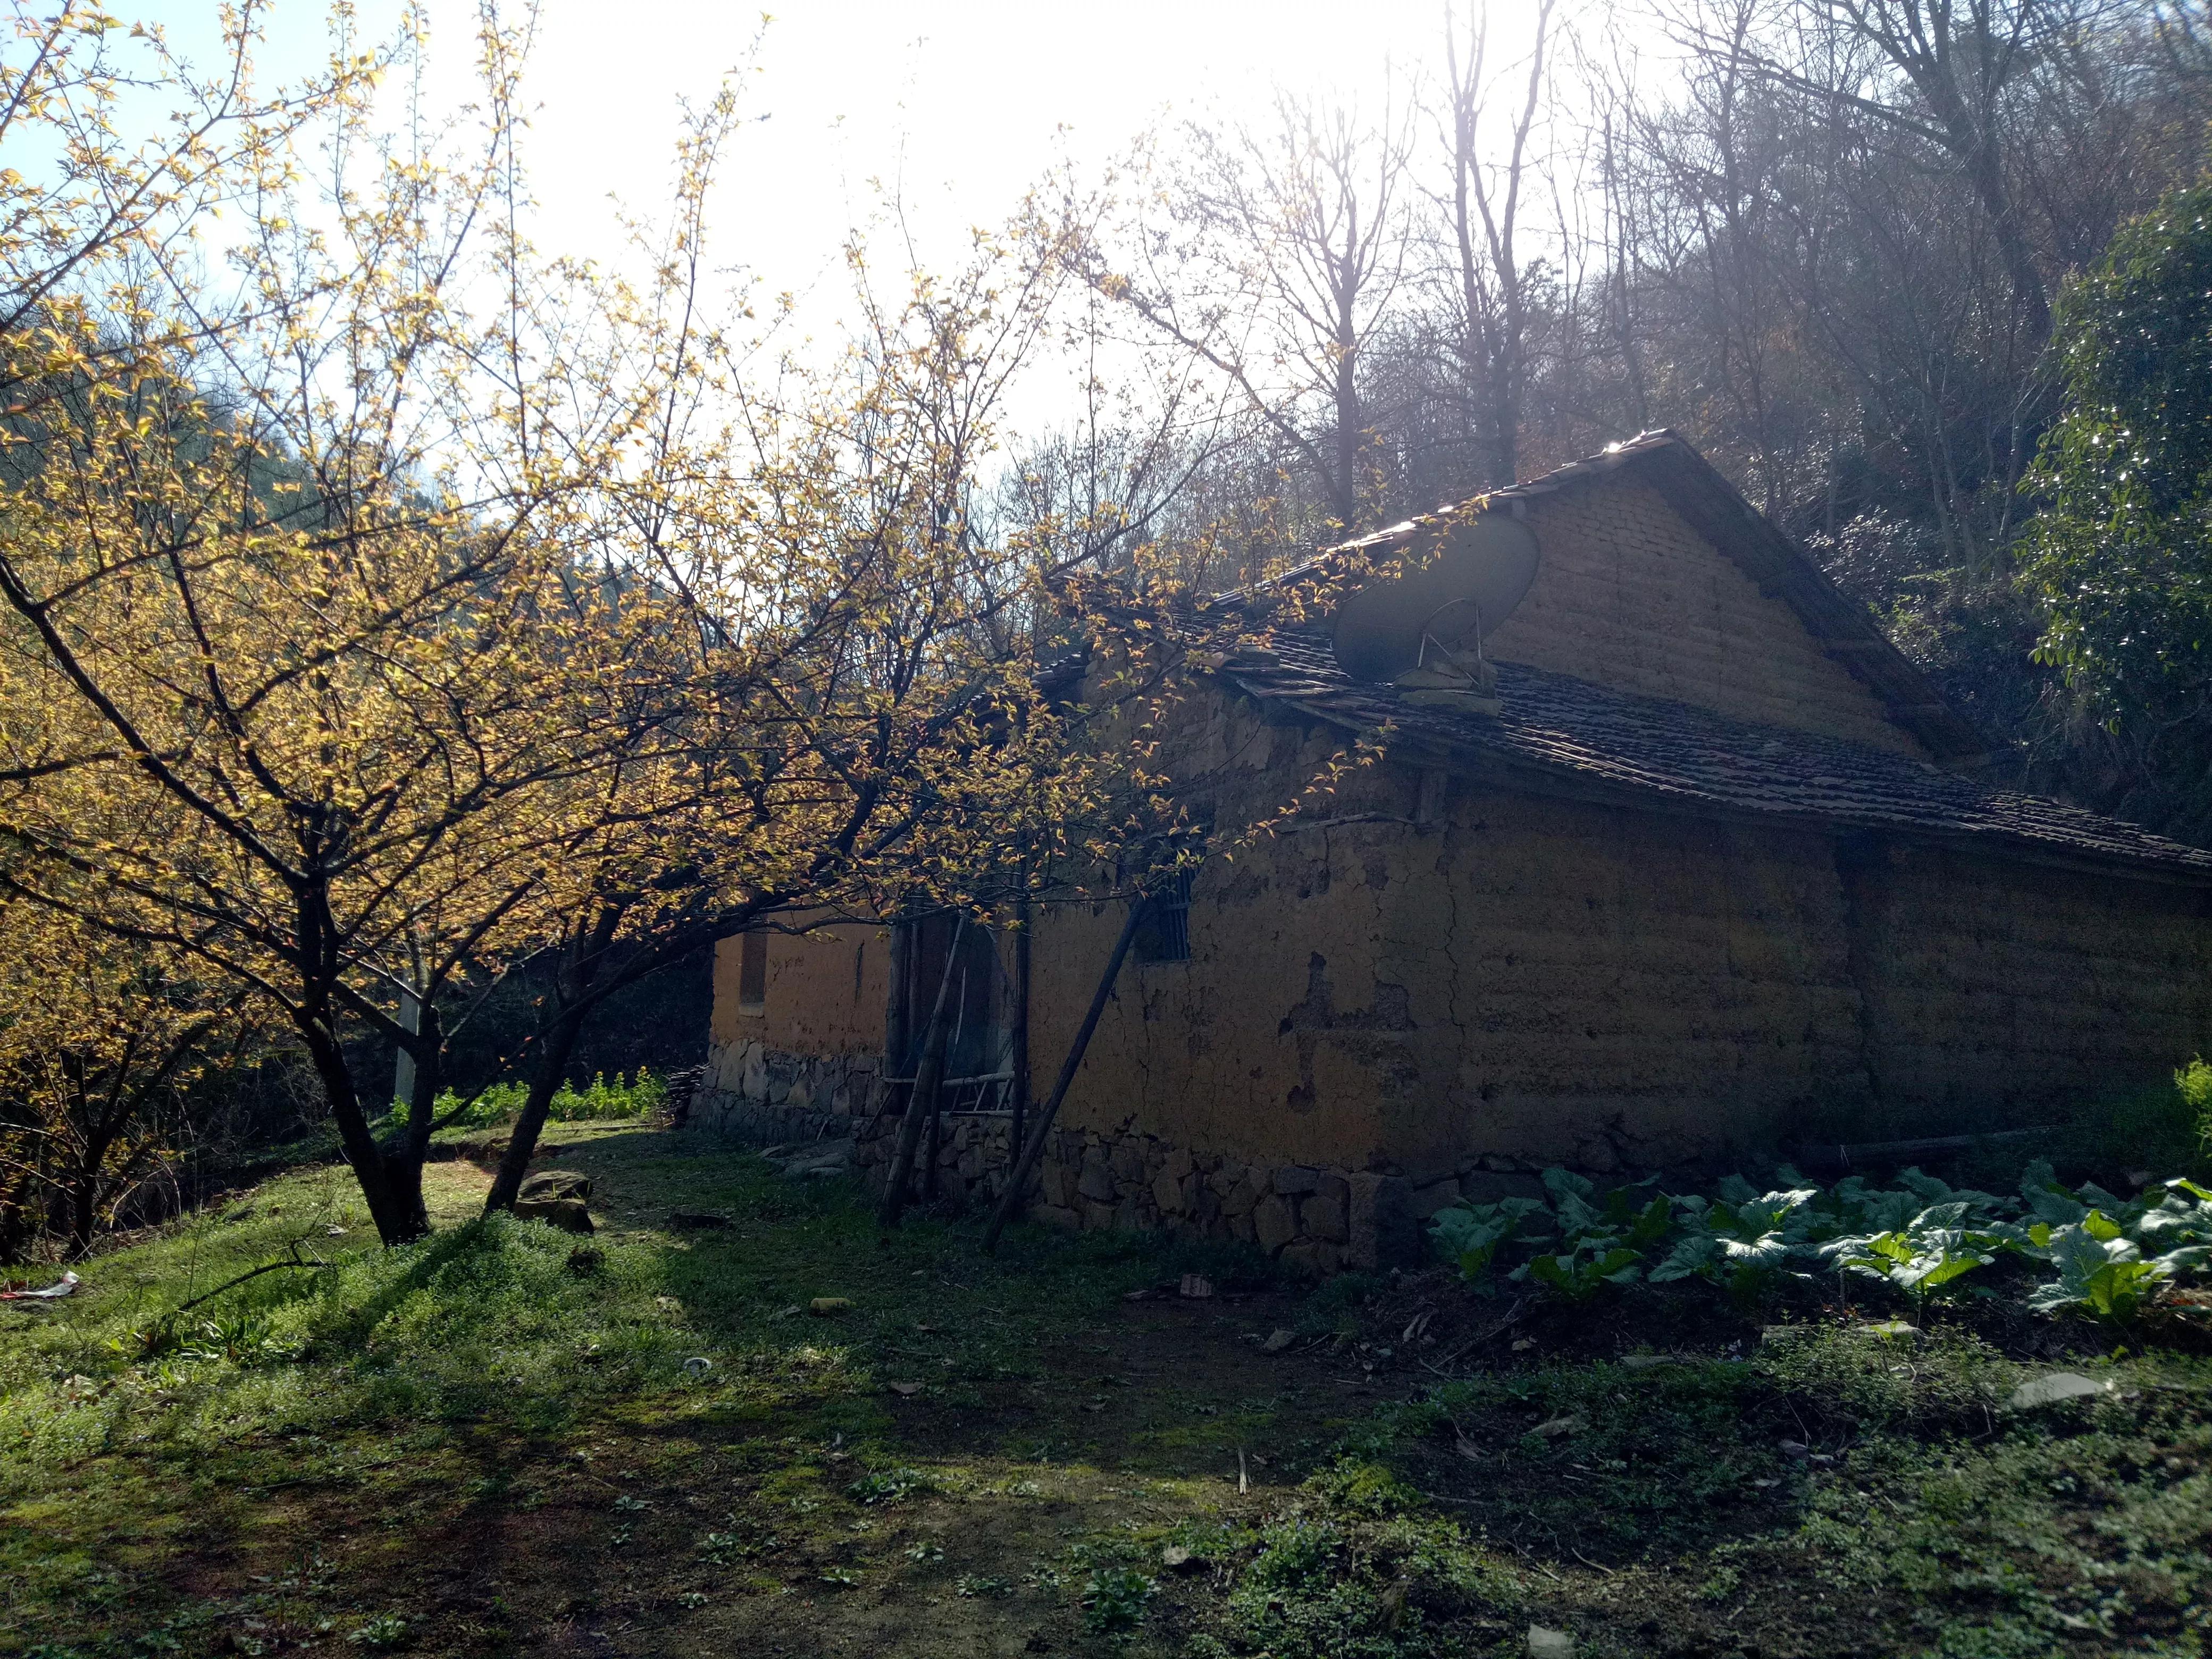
1321,1220
752,1092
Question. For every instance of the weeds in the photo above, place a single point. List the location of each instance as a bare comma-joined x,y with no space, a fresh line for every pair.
1839,1489
1114,1599
2194,1083
619,1102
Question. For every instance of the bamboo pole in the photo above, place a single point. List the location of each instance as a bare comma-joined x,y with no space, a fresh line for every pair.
1033,1148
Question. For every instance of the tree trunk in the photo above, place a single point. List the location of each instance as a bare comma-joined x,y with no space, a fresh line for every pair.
586,953
1021,1089
545,1084
397,1220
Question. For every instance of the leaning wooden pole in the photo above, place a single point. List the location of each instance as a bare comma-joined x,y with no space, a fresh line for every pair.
1033,1149
921,1099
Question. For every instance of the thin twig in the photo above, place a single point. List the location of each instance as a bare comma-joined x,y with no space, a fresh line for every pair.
250,1272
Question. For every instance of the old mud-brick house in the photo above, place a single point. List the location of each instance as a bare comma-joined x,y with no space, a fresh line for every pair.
1713,873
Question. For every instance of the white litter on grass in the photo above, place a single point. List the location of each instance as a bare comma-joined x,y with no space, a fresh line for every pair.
1549,1644
54,1292
2053,1387
698,1366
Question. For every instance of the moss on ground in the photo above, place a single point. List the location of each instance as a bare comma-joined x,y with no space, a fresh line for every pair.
506,1440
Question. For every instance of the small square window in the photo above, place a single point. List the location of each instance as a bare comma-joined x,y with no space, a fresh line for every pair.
752,972
1163,932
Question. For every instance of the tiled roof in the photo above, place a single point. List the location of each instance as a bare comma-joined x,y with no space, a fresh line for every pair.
1716,510
1591,737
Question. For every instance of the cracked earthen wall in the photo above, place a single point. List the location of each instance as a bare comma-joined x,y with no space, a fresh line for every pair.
827,991
1535,980
2003,989
1528,980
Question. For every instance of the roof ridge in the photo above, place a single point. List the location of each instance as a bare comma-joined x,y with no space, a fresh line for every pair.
1714,508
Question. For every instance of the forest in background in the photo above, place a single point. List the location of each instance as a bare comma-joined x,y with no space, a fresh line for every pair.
1824,239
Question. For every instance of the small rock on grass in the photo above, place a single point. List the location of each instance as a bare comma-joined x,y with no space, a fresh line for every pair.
556,1183
1549,1644
1892,1330
2051,1387
824,1306
1276,1343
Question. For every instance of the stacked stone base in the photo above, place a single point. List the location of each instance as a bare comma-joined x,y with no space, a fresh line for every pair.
1319,1218
752,1092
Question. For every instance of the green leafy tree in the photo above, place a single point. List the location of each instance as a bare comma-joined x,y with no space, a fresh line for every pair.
2122,557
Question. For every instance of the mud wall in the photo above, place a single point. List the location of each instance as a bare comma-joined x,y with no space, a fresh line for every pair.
815,1046
1520,982
1994,990
1524,980
1629,595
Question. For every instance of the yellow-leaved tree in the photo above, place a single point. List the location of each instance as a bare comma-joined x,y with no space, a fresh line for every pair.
401,606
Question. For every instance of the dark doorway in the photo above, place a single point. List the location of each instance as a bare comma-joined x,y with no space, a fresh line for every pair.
979,1004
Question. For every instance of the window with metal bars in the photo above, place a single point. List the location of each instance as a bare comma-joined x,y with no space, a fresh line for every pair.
1163,932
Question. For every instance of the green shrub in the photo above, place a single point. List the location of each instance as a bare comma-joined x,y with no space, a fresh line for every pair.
618,1102
2194,1080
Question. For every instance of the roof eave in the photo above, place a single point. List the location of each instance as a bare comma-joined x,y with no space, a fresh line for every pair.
1560,783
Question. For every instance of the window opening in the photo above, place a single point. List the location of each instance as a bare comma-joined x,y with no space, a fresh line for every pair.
1164,933
752,971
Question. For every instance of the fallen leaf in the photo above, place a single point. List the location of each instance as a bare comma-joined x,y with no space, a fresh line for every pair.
1573,1423
1276,1343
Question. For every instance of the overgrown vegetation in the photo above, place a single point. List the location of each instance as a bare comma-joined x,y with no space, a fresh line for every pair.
2092,1251
624,1100
648,1435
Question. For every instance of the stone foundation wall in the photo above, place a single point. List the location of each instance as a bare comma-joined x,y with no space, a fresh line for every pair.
753,1092
1320,1218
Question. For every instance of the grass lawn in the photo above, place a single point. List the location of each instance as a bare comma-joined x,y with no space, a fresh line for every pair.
507,1440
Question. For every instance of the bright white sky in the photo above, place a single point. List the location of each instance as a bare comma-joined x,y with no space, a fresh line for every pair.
958,105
